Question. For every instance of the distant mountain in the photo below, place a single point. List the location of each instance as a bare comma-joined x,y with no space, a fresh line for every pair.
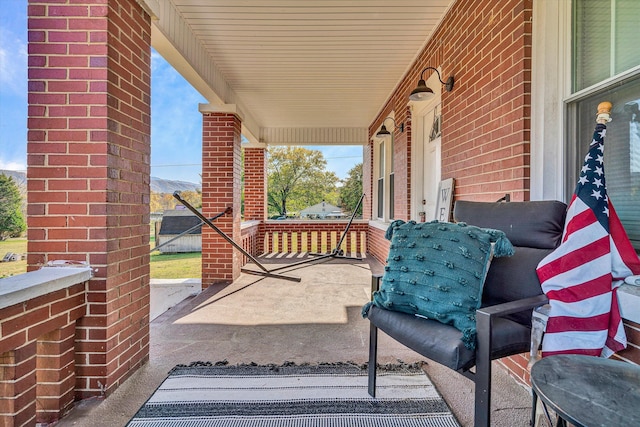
158,185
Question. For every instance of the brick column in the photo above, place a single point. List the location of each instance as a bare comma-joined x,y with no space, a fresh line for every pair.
88,171
255,184
221,170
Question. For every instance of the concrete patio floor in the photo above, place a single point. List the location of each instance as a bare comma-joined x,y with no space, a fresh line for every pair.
272,321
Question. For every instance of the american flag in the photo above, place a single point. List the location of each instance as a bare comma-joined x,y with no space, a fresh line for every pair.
581,276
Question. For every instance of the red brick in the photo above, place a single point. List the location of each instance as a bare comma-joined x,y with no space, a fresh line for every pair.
68,11
99,198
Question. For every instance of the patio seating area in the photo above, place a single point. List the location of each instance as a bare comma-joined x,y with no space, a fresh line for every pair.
271,321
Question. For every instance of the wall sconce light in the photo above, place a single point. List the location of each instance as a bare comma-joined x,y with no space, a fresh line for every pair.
383,132
424,93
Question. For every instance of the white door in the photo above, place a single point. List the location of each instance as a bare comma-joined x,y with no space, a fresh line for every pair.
431,163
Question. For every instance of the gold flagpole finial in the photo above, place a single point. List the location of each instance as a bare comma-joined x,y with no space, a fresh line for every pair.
604,112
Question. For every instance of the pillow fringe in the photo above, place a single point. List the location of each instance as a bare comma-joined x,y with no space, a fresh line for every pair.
365,309
503,246
395,224
469,338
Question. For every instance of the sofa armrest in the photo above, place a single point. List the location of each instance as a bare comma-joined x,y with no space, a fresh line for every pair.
484,324
375,283
504,309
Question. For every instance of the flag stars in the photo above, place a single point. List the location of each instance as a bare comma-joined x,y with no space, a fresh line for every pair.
585,168
583,179
597,182
606,210
600,159
596,194
599,170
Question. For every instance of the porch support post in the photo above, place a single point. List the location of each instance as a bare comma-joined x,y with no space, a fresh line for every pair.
255,183
221,170
88,154
255,189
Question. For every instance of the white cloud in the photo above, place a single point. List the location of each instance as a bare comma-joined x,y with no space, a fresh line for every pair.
12,166
13,63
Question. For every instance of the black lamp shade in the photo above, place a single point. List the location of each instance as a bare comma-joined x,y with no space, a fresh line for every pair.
383,132
422,92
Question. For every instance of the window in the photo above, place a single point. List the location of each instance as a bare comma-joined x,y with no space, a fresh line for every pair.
604,40
381,172
605,53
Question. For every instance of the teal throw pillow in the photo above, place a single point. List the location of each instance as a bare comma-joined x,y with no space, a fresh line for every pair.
437,270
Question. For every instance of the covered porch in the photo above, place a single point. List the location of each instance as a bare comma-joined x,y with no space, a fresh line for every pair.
271,321
322,73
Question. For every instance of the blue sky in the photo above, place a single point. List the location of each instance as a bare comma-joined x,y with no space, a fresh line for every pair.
176,123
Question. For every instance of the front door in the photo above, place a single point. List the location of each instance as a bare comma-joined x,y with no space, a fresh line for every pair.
431,161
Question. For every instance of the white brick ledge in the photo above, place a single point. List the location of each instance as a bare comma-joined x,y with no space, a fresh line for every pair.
23,287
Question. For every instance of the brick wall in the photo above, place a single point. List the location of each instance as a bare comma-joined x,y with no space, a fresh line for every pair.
251,240
378,246
486,118
221,189
37,349
88,171
401,172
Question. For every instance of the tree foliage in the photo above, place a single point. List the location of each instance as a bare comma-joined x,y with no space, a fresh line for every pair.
12,222
297,178
164,201
351,190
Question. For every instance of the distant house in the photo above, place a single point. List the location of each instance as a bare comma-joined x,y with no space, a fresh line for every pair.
177,221
322,210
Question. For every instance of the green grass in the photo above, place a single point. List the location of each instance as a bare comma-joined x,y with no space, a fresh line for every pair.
18,246
176,266
163,266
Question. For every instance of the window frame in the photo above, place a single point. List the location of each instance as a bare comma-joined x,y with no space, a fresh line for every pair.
383,176
380,154
602,90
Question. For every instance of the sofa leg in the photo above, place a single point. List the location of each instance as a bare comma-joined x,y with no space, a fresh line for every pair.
373,358
482,414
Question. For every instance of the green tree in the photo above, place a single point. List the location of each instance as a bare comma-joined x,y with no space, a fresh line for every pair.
351,190
12,222
297,178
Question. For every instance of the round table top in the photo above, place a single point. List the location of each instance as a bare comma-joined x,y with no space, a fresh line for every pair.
589,391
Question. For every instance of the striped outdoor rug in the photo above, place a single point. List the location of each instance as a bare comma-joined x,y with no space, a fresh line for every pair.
293,396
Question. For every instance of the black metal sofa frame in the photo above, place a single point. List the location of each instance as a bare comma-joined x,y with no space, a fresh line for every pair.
510,293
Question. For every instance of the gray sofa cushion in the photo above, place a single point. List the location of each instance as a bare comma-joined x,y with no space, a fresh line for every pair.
537,224
535,230
443,343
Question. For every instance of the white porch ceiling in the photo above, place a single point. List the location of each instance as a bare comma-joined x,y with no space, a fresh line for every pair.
297,71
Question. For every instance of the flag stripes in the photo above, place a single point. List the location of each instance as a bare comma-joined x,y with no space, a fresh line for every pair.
581,276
